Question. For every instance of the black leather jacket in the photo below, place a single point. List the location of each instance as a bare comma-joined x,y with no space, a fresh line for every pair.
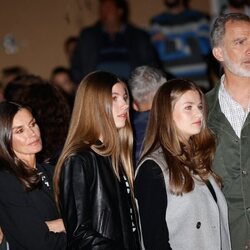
94,206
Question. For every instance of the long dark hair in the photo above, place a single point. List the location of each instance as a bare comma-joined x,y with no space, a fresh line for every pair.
183,158
8,160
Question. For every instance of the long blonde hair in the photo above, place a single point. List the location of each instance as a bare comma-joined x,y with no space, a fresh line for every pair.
183,159
91,119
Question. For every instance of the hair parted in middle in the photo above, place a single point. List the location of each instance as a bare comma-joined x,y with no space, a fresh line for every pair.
92,119
28,177
183,158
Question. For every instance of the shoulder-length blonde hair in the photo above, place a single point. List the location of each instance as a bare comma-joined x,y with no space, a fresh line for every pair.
91,120
183,158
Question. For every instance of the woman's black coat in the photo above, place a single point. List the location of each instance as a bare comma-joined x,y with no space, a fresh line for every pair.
23,214
95,205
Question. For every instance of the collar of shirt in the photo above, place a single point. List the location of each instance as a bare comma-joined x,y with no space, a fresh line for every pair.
232,109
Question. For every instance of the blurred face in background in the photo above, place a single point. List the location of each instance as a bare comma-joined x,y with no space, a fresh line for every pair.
109,13
64,82
172,3
237,3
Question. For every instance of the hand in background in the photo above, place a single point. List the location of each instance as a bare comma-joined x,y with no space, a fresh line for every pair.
1,235
56,226
158,37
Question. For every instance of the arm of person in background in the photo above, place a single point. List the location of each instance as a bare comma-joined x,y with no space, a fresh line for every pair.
150,193
56,226
21,221
1,235
75,191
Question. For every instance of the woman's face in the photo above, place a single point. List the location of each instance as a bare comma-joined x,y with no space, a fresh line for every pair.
120,104
26,141
188,114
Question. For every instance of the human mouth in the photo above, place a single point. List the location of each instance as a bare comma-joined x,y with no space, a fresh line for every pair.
247,62
35,142
197,123
123,116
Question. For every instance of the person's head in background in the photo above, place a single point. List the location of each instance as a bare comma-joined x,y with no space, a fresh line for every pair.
235,6
230,37
20,142
51,110
175,4
10,73
237,3
69,47
143,84
61,77
113,13
16,86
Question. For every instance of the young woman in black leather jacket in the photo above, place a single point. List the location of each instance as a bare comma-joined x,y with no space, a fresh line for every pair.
94,176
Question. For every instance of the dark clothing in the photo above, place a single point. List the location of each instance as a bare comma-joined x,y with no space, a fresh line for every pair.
139,122
152,197
139,50
23,214
113,55
95,205
232,164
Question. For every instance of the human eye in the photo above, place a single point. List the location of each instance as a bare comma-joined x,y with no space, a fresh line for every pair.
239,42
33,123
125,97
200,107
18,131
188,107
114,98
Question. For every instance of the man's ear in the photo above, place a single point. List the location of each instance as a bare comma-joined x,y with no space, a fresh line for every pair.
217,52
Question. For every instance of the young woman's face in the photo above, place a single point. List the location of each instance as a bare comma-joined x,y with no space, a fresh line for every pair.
188,114
120,104
26,139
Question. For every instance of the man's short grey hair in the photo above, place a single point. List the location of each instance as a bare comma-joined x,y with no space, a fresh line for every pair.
144,82
218,29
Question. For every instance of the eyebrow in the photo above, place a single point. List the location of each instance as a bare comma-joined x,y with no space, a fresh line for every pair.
240,39
17,127
116,93
190,102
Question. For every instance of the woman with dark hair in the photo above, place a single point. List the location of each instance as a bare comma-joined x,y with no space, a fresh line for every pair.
180,202
94,175
28,215
50,108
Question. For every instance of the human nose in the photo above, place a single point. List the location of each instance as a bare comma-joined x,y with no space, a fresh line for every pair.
124,104
248,48
31,131
199,112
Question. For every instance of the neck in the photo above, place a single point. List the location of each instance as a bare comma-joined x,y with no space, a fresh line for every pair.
30,161
177,9
239,88
112,28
